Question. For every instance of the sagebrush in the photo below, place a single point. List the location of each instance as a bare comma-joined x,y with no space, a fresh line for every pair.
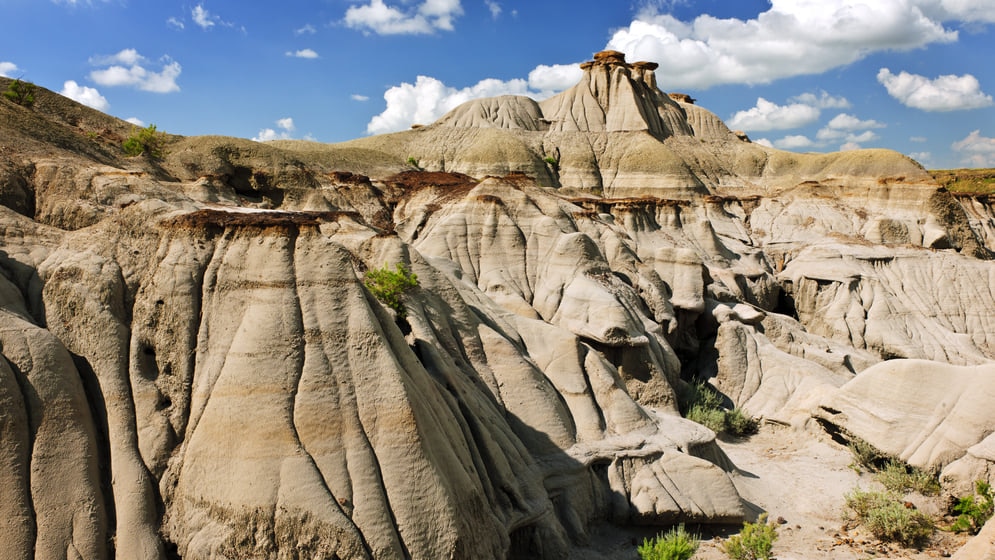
754,542
702,404
898,476
888,518
675,544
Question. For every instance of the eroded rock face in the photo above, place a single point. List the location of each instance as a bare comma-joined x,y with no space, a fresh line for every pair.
193,367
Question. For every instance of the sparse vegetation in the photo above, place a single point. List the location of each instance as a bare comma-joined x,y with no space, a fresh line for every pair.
888,518
22,93
866,456
754,542
675,544
145,141
973,511
552,162
900,477
975,181
702,404
414,163
389,286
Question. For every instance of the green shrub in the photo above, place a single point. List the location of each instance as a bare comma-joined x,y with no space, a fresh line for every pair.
739,424
888,518
22,93
702,404
414,163
389,285
897,476
552,162
675,544
973,511
866,456
147,141
754,542
712,418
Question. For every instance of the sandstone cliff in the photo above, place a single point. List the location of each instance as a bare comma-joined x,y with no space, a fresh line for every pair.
192,366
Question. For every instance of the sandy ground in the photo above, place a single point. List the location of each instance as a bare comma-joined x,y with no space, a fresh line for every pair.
800,478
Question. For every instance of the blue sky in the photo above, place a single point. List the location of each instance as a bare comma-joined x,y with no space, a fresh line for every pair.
807,75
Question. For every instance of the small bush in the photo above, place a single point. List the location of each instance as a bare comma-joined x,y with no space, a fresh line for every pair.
702,404
889,519
675,544
552,162
866,456
712,418
147,141
897,476
754,542
389,285
739,424
22,93
973,511
414,163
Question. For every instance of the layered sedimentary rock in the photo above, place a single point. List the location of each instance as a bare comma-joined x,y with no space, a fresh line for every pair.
192,366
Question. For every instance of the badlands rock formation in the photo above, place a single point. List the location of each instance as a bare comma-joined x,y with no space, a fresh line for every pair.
193,368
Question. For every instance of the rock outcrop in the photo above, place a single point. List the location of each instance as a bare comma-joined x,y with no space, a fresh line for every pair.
192,366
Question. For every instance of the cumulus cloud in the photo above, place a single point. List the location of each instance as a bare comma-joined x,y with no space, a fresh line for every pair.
285,126
850,130
129,68
794,142
850,146
925,158
822,100
793,37
945,93
135,121
86,95
428,98
494,7
977,150
8,69
771,116
303,53
358,97
424,18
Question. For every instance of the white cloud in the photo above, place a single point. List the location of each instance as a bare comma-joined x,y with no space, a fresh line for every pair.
174,22
425,18
794,142
358,97
128,68
308,29
764,142
551,79
303,53
844,121
202,17
821,101
7,69
428,98
86,95
849,129
945,93
978,150
922,157
771,116
793,37
494,7
286,126
982,11
135,121
850,146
